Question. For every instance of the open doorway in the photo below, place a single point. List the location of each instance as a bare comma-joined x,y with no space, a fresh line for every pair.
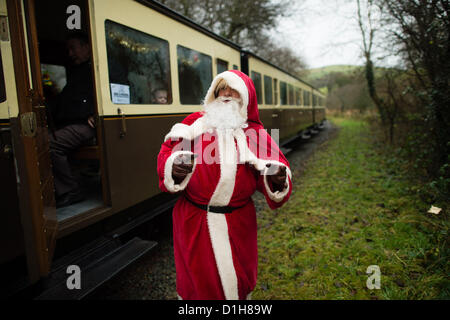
68,88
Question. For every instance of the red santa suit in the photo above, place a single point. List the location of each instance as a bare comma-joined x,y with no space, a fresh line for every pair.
216,253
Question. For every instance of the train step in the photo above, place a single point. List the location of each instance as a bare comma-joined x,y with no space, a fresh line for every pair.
97,272
306,136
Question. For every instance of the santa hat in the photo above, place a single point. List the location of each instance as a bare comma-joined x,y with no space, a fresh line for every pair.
241,83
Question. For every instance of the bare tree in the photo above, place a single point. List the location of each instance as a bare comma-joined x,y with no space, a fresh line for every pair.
386,103
232,19
246,23
367,28
281,56
418,31
422,35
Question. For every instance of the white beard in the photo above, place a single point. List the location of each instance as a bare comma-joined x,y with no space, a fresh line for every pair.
221,115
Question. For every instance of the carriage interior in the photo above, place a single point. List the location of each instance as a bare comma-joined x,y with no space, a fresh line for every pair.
51,34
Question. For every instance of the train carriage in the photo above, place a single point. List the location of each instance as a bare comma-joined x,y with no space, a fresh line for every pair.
140,49
284,100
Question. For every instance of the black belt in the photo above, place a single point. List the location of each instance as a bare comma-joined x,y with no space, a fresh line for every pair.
214,209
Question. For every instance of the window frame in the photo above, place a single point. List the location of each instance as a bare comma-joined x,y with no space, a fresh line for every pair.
298,101
276,90
178,75
270,91
259,97
168,73
291,94
283,84
306,98
223,62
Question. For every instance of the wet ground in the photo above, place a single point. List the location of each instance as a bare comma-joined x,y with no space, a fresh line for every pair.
152,277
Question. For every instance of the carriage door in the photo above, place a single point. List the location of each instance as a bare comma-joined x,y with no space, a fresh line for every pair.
30,143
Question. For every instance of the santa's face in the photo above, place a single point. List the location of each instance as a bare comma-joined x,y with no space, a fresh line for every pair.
229,92
225,111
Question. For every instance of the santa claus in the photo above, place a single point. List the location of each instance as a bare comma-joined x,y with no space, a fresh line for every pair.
216,159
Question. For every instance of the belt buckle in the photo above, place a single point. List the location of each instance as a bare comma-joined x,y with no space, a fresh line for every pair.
208,209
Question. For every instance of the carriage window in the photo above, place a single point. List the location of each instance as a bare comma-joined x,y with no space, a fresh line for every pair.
291,94
314,98
222,66
275,91
194,74
268,89
256,77
138,65
297,96
283,93
306,99
2,81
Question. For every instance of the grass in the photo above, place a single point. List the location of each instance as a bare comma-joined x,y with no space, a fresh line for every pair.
317,73
349,210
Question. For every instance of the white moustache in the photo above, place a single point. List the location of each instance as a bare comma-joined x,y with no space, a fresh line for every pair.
224,99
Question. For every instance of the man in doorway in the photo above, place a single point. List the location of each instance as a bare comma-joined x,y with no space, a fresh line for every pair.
216,159
73,114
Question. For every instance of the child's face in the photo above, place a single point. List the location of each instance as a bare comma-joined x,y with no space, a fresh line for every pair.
161,97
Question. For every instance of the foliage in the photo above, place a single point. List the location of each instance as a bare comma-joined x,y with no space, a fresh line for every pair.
415,102
351,208
281,56
345,87
422,36
246,23
317,73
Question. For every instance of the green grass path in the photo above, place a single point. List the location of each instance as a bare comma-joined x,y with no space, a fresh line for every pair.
350,210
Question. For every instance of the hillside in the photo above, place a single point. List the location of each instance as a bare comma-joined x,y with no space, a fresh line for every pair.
318,73
344,85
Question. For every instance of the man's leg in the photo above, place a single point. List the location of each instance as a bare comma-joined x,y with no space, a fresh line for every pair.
65,141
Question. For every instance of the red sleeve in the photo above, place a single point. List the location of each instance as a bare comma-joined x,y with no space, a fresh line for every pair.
270,152
167,149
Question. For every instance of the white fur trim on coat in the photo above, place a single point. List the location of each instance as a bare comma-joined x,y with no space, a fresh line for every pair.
220,241
217,223
189,132
228,166
168,179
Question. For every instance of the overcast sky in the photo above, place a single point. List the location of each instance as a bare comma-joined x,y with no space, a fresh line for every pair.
323,32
